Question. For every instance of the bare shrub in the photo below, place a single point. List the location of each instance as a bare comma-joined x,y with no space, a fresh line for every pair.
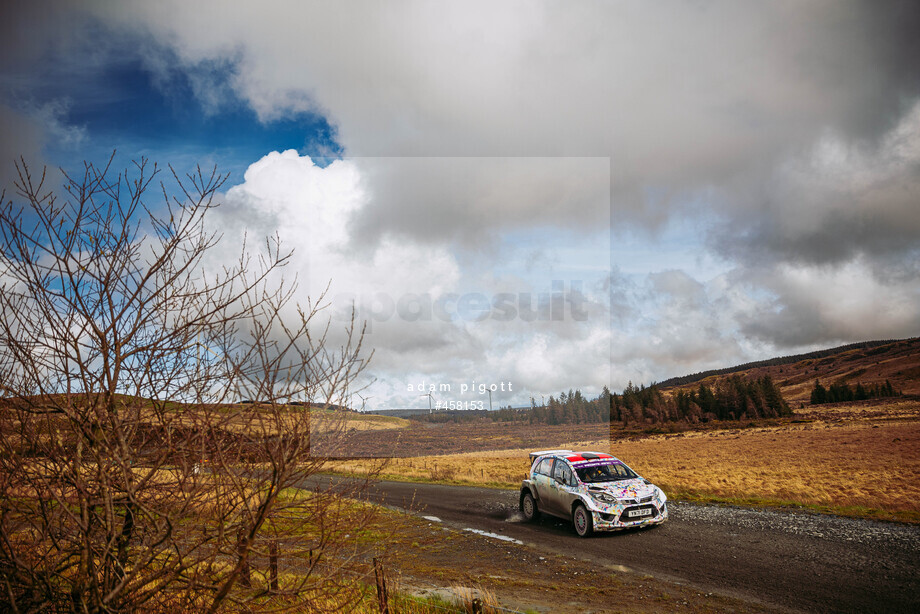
131,478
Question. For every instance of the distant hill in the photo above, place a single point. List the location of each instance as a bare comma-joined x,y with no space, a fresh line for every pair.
869,362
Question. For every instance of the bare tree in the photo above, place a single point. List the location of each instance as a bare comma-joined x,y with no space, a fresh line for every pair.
132,476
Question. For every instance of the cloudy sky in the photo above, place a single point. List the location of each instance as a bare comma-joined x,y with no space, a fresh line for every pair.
545,195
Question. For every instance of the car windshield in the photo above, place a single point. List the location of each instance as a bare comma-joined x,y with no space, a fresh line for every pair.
605,472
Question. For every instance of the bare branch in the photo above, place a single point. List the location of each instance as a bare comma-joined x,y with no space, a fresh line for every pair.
130,476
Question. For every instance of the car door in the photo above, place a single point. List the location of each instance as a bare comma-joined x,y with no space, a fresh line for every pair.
563,487
545,485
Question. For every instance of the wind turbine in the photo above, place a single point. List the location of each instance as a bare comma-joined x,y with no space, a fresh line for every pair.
429,400
363,400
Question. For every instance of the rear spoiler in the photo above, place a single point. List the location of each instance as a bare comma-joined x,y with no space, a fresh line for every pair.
535,455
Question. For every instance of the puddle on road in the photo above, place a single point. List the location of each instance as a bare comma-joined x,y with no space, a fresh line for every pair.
503,538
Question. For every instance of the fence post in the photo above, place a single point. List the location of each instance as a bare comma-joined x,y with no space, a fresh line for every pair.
245,580
477,605
273,565
382,601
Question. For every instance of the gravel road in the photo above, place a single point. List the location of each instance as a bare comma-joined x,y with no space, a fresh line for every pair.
796,560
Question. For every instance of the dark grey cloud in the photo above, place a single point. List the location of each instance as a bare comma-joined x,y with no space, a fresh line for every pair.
44,45
815,306
691,101
840,200
891,28
796,126
471,201
683,97
22,139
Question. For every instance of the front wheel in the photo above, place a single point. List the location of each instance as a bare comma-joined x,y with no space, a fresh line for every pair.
583,520
528,507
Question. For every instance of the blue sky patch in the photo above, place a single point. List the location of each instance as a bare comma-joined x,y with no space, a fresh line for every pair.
118,102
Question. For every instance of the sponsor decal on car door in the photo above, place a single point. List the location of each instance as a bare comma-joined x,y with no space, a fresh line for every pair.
563,487
546,486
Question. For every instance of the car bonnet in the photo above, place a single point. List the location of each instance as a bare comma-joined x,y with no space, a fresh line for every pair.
624,489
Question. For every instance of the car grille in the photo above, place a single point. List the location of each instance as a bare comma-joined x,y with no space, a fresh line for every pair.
624,517
647,499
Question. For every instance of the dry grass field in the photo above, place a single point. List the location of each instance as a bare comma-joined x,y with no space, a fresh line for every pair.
356,421
421,439
244,419
860,461
860,469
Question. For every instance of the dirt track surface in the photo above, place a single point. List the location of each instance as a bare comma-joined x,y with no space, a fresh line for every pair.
795,560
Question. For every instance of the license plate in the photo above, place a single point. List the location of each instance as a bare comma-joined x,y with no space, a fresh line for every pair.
638,513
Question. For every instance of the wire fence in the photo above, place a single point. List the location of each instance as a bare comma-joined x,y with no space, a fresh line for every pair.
277,575
270,563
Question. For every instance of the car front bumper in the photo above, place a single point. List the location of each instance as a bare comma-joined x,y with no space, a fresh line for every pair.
616,517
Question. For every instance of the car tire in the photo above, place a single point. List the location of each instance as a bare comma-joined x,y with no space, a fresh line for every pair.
583,521
529,507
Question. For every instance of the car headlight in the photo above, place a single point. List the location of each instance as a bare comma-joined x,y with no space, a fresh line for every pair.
603,497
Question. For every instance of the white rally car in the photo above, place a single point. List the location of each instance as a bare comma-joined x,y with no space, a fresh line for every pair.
596,491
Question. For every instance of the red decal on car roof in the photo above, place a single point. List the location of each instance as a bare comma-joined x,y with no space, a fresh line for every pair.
593,455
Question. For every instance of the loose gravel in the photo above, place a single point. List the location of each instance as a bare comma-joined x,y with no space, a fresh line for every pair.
869,532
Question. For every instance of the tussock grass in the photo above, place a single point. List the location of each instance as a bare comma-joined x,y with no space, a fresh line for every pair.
852,469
